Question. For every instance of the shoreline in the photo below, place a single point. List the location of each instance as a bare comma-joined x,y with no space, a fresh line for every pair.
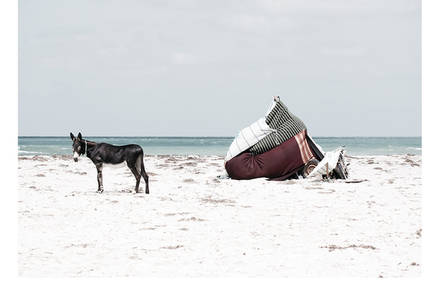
69,156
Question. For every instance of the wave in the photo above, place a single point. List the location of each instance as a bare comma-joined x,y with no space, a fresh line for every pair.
29,152
414,148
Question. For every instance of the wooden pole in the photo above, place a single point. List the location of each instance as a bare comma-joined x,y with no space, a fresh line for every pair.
326,170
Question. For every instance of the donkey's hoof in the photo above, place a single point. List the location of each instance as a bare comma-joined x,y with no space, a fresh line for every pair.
100,191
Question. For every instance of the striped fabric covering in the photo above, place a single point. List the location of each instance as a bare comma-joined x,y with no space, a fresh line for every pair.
285,124
304,149
248,137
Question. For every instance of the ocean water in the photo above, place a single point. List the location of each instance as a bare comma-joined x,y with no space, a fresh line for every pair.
220,145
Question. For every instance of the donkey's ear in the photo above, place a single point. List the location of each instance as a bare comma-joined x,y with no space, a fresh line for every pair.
72,136
80,136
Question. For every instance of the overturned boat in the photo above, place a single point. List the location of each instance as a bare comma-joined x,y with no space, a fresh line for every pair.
279,147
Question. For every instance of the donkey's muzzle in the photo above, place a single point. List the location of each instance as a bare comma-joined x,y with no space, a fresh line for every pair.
75,156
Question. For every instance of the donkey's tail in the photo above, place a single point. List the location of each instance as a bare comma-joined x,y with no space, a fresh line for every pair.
140,161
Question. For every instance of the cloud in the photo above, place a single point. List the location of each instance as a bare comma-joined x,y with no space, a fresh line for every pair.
343,51
183,58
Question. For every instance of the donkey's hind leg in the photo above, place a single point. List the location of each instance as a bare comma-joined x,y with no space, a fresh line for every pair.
145,176
136,175
141,169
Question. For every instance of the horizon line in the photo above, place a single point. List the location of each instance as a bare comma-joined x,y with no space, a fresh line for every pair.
134,136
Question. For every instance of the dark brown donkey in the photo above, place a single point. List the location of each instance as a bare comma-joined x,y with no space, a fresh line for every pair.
104,153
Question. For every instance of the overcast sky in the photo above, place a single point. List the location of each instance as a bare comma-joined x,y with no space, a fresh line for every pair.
210,68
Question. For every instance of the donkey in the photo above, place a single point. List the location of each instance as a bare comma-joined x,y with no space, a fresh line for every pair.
104,153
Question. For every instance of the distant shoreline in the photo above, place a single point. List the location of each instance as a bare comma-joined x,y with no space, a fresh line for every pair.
29,145
217,137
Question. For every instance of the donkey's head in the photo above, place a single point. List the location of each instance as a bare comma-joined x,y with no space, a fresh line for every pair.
78,146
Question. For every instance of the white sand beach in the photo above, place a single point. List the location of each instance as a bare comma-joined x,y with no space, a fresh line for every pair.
194,224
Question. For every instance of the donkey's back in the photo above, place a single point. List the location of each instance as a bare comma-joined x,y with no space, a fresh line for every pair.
113,154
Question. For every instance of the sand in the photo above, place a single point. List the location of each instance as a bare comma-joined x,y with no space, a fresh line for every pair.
194,224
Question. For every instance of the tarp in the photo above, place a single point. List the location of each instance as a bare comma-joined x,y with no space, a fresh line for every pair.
278,163
285,124
333,161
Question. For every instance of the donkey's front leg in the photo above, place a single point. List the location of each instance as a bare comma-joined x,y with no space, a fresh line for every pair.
100,185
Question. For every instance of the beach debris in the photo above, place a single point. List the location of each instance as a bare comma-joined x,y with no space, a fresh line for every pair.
217,201
189,164
352,157
328,191
172,246
411,162
174,214
193,157
82,245
356,181
332,166
215,180
192,219
39,158
147,229
333,247
223,176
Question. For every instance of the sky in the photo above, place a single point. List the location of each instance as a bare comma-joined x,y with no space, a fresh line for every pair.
210,68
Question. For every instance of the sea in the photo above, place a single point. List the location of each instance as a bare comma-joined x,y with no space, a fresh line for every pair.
30,146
